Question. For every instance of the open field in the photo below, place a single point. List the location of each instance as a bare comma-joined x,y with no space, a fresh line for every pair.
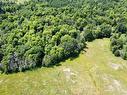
95,72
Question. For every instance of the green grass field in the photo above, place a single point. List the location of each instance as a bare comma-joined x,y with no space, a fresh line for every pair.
95,72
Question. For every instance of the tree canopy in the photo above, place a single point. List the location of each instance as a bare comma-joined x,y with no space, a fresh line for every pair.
45,32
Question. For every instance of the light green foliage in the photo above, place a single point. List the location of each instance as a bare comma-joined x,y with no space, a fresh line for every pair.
92,73
45,32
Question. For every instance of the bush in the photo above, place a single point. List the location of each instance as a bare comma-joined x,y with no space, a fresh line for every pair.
117,53
55,55
70,45
106,31
122,28
88,35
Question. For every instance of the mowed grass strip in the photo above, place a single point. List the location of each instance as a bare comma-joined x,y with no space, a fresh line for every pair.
95,72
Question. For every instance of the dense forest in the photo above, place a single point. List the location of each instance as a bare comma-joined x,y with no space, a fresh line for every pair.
46,32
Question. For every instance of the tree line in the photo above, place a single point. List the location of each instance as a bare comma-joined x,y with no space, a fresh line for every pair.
46,32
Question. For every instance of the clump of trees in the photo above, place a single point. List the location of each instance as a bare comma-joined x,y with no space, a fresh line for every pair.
119,35
119,44
45,32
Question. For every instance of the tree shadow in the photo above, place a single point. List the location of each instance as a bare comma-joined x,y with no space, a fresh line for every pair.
56,64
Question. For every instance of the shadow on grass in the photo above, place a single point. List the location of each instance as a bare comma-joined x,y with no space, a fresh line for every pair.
55,64
59,63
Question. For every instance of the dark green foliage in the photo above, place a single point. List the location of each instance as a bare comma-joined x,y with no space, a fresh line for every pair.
118,45
70,45
45,32
55,55
88,35
106,31
122,28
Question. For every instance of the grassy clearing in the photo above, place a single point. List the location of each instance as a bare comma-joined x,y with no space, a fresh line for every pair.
95,72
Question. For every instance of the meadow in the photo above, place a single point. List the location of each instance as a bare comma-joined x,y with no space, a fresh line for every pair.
96,71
